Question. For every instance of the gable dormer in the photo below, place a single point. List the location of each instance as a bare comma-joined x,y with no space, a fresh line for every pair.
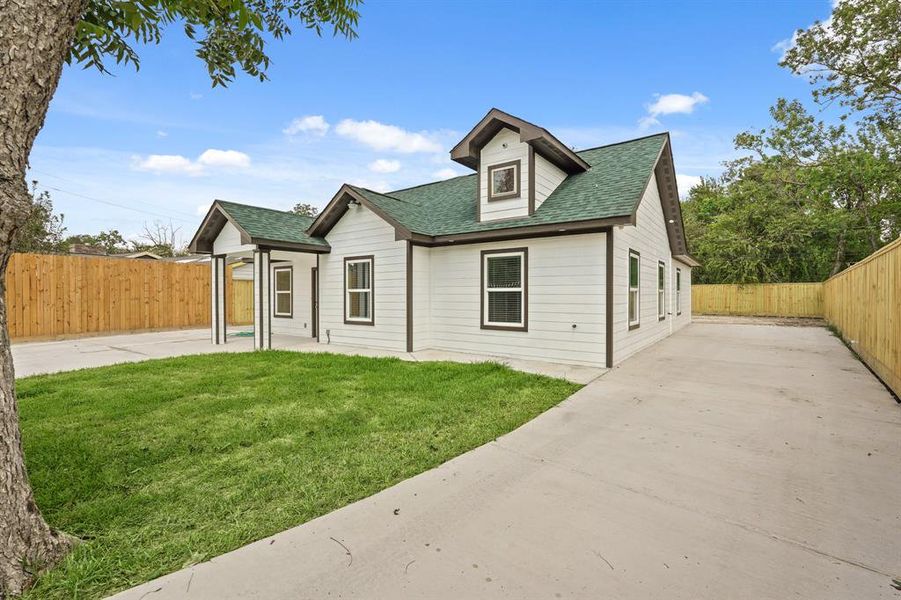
519,165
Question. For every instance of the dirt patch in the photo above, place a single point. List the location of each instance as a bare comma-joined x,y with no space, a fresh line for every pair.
782,321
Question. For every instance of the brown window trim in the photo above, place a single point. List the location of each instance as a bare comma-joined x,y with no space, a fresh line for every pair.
661,317
678,291
633,326
516,193
371,259
275,270
525,289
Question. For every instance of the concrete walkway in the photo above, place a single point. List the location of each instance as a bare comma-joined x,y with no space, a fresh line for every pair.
35,358
729,461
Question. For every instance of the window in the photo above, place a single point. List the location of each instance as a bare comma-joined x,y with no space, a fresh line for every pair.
505,289
634,281
678,291
284,296
661,297
503,181
358,290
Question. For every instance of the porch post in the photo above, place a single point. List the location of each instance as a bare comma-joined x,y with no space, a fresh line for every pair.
262,317
217,304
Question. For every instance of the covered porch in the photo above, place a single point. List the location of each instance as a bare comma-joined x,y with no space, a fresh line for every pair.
280,260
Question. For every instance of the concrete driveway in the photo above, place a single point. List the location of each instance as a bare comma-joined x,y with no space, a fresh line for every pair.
37,358
729,461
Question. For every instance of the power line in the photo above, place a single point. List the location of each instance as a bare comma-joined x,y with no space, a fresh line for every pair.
45,174
117,205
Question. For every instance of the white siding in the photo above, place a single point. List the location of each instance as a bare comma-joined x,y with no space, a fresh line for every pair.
547,177
681,320
229,241
422,306
300,323
361,232
649,238
566,287
494,153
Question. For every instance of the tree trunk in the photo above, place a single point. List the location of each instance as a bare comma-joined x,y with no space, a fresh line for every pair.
35,36
839,262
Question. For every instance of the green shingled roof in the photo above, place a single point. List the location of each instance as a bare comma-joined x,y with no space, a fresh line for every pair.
271,224
611,188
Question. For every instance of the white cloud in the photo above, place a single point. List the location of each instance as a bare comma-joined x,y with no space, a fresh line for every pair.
783,46
685,183
202,209
224,158
446,173
387,137
181,165
383,165
161,133
195,96
311,124
167,163
669,104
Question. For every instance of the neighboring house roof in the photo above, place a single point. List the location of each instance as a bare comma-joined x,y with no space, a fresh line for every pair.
140,255
86,249
257,225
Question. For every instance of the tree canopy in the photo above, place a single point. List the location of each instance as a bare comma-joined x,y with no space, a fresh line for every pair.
809,197
227,33
807,201
854,57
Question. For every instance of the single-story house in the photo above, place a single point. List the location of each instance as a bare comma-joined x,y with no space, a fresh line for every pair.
541,253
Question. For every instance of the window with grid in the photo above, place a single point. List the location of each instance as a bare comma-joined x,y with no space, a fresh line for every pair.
678,291
358,286
284,301
661,297
634,283
504,289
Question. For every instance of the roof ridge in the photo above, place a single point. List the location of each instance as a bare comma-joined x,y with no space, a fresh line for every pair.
413,187
256,207
289,213
644,137
385,194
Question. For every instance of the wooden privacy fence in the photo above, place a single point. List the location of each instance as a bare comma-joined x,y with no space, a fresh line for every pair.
759,299
240,304
52,296
864,303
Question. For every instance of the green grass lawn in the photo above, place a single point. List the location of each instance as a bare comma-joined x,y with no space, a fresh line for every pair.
161,464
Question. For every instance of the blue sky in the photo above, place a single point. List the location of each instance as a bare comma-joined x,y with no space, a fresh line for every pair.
383,111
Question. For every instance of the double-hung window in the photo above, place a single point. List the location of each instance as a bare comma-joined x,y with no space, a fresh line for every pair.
634,283
505,289
284,294
661,296
359,292
678,291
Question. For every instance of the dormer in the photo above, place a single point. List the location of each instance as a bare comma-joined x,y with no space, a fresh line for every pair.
519,165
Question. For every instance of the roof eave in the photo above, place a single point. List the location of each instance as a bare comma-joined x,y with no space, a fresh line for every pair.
201,246
467,150
290,246
523,232
338,205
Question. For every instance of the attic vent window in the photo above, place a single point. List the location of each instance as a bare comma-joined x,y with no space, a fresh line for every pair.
503,181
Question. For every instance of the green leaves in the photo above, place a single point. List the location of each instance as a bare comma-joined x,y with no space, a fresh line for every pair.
854,57
808,201
231,35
